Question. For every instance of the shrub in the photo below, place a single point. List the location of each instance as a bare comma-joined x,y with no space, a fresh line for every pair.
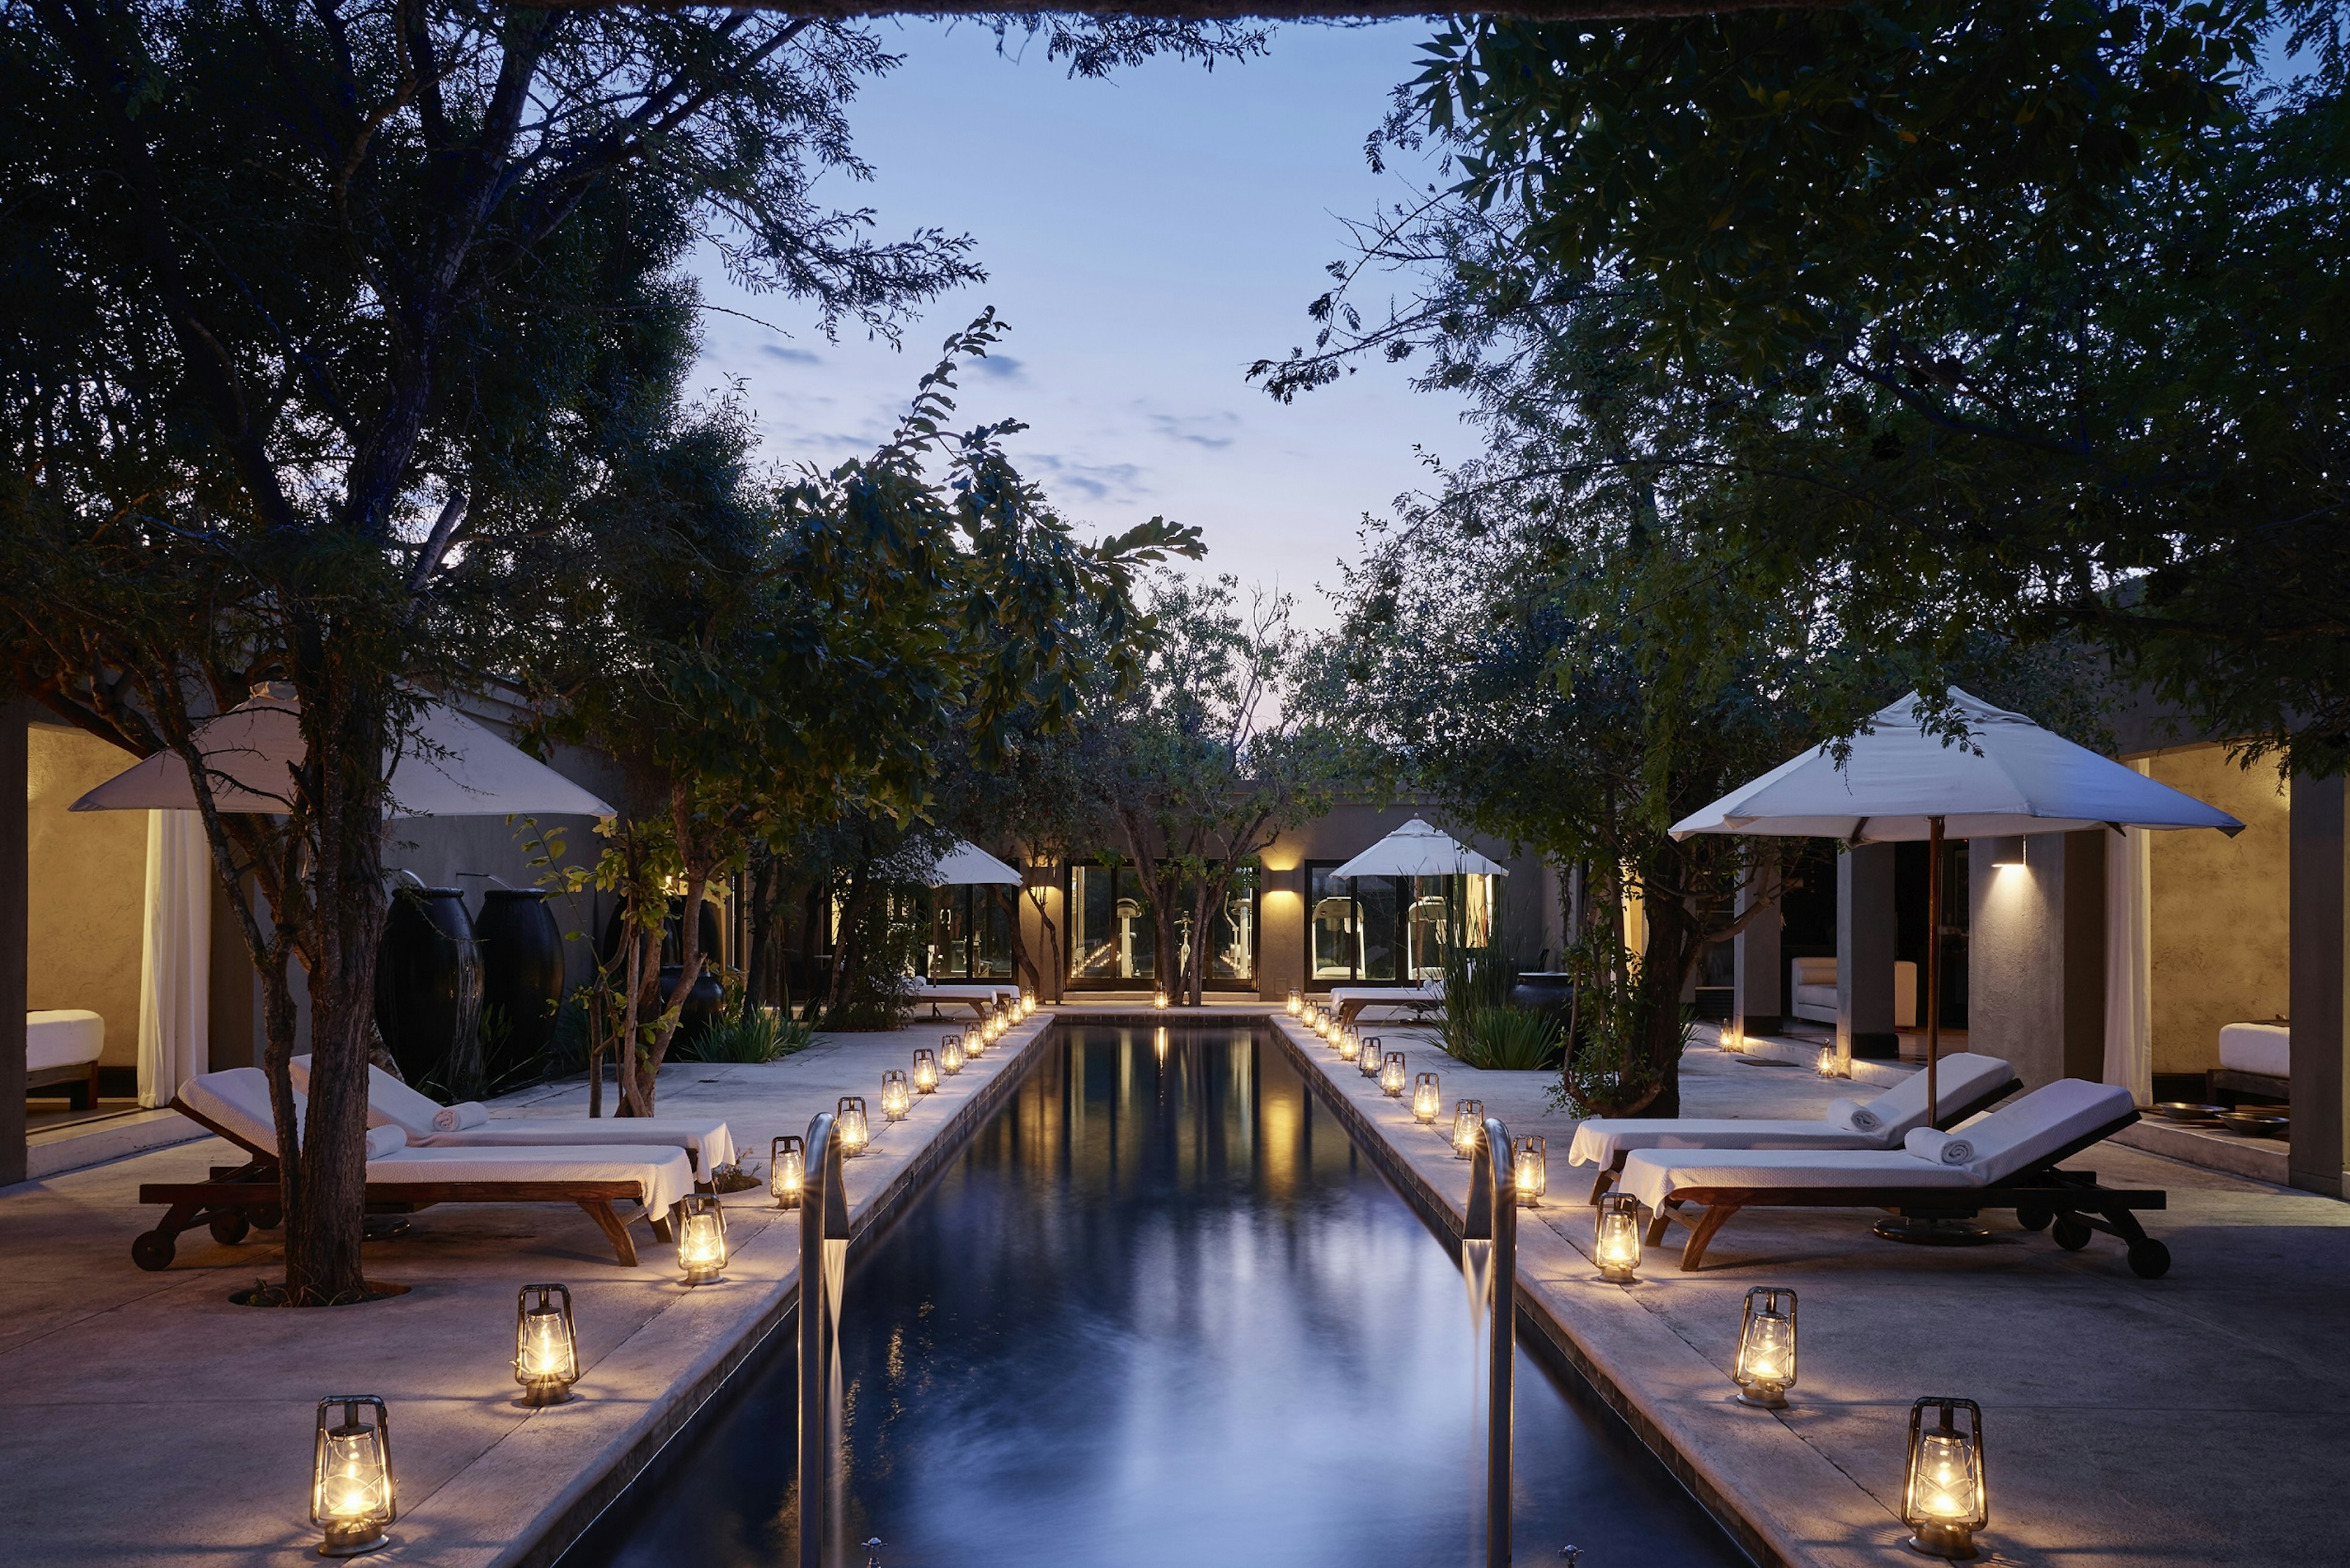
1515,1039
759,1034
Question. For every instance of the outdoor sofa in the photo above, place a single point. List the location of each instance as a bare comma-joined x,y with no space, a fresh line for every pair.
62,1047
234,1103
432,1124
1965,1083
2008,1159
2255,1060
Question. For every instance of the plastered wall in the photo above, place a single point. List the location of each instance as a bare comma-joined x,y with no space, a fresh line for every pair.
87,888
2220,935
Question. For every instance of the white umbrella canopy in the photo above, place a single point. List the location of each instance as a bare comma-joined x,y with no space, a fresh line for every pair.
967,862
447,766
2011,777
1417,849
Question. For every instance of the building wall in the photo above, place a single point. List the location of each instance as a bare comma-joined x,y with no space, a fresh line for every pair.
88,887
2219,927
2035,968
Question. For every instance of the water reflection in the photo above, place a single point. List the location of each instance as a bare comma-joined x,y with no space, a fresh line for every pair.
1162,1313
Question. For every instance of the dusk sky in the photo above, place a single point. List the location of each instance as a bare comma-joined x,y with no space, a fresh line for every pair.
1146,237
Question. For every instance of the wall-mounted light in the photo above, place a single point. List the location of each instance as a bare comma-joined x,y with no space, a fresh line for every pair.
1766,1347
1468,1127
546,1346
1530,1169
1427,1100
1618,1241
1944,1501
787,1170
353,1498
702,1239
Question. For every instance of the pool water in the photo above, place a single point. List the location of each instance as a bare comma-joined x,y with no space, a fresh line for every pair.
1161,1311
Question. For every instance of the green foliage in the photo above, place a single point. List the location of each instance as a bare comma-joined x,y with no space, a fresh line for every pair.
1615,1069
1480,1025
1512,1039
759,1034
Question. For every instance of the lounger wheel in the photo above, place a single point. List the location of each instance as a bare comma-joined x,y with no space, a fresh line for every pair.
268,1219
2070,1233
152,1250
2150,1258
230,1229
2034,1217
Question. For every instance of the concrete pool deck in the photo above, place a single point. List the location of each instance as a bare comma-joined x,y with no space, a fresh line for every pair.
145,1419
2187,1419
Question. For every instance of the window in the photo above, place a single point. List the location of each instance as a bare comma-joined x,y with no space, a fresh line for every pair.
970,932
1392,929
1112,938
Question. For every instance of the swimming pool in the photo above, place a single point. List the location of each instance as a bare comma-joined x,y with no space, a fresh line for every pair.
1161,1311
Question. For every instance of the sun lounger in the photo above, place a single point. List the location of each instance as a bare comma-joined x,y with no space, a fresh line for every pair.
979,997
400,1179
1965,1083
2008,1159
1351,999
432,1124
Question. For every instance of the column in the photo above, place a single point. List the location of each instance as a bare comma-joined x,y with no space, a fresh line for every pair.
14,926
1864,946
1759,1006
2321,885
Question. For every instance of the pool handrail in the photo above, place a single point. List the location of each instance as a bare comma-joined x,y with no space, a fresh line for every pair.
824,1216
1493,1216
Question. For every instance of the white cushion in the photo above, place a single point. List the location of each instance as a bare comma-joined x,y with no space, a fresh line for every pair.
394,1103
2016,1137
62,1037
661,1175
1960,1077
2257,1048
237,1098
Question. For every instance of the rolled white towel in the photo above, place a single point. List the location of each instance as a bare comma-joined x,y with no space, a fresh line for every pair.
1854,1114
386,1139
1940,1148
457,1118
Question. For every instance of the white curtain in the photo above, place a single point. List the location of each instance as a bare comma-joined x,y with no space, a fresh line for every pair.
175,957
2129,962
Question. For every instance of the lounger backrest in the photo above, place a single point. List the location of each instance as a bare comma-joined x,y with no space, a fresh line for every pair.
237,1098
2013,1139
1957,1079
390,1103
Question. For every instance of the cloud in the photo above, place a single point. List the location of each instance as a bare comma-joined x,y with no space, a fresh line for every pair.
1208,431
1094,480
789,356
1001,368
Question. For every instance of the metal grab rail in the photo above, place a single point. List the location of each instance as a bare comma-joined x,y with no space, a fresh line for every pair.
1492,1218
824,1216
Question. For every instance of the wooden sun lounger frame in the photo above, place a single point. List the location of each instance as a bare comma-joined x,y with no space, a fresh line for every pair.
2042,1196
240,1197
1945,1122
1420,1003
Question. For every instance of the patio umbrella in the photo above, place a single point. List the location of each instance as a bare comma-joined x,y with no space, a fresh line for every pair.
1417,849
1900,783
445,765
967,862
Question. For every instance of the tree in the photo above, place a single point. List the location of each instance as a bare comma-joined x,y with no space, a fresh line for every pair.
1206,759
2003,324
311,316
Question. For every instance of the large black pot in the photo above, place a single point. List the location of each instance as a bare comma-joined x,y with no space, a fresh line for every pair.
1543,990
701,1003
428,991
672,934
521,976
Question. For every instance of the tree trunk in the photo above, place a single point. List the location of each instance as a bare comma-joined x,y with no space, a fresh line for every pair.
1049,990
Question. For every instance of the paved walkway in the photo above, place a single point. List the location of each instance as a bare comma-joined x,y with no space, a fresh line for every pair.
2193,1420
144,1419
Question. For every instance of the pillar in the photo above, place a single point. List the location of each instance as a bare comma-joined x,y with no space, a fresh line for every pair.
1759,1004
2321,888
15,926
1865,948
2036,953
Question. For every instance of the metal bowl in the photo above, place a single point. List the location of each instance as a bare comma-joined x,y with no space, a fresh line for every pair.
2256,1123
2181,1111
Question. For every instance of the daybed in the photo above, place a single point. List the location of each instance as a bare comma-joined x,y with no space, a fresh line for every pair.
2255,1059
62,1047
400,1179
1965,1083
432,1124
2008,1159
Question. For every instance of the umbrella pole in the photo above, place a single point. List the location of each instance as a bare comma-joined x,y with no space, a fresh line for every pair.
1933,959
